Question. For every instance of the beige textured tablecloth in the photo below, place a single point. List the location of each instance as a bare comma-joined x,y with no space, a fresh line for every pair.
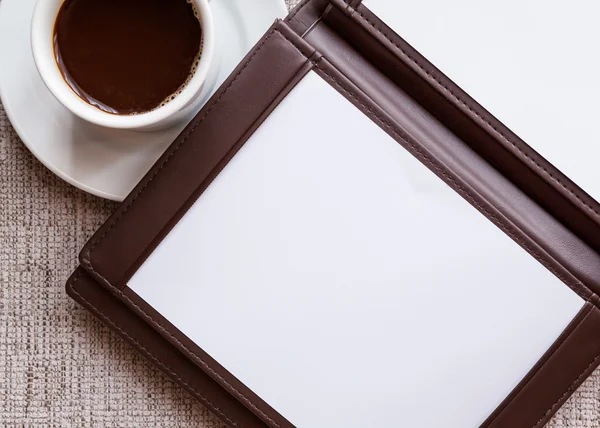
59,367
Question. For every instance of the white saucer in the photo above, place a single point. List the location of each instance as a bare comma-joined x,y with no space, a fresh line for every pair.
104,162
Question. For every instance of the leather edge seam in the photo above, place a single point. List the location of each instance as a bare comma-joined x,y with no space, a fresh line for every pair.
142,349
478,117
545,417
86,255
307,67
470,195
570,329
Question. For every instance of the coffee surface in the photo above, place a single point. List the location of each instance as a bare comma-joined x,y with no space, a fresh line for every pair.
127,56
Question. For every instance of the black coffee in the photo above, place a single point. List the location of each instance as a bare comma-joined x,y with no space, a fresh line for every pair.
127,56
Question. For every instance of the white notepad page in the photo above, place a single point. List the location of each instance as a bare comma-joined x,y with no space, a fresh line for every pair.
346,285
534,64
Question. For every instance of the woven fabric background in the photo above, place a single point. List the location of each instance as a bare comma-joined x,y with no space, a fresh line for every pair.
59,367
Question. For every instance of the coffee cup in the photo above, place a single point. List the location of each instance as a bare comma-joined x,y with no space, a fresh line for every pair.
43,46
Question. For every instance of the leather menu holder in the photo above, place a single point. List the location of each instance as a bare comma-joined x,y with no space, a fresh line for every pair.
344,238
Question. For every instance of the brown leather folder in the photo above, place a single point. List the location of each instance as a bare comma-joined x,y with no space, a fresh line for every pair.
359,231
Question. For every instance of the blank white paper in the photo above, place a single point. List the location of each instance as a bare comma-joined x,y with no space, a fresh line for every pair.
345,284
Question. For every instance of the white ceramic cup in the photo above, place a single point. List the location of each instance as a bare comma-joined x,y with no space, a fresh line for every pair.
42,44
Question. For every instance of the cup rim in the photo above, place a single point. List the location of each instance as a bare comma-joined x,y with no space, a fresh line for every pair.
42,44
